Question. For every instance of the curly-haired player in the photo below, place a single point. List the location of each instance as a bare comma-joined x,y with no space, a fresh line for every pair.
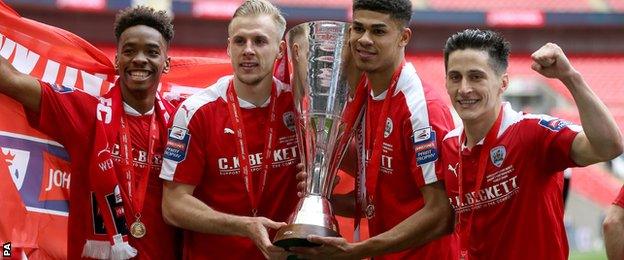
115,144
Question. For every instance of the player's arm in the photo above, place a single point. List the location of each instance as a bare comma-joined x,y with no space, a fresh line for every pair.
181,209
432,221
19,86
184,161
600,139
613,229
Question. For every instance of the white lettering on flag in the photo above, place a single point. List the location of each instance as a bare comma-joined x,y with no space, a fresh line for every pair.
24,60
71,76
91,83
51,71
7,48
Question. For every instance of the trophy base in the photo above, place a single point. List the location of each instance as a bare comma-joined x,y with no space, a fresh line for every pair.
296,235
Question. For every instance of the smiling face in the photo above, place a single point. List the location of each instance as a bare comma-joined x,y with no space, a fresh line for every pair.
377,41
254,45
474,87
141,58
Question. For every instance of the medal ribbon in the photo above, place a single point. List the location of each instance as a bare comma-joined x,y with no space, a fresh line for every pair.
136,198
490,138
353,116
241,144
374,165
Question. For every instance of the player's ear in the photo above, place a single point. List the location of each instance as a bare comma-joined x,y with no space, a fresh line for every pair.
227,50
504,83
167,65
406,35
116,62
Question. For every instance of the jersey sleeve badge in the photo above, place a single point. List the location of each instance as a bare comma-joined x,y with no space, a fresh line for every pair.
177,144
425,145
554,124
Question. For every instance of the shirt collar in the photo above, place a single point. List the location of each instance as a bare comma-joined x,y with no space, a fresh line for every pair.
381,96
133,112
248,105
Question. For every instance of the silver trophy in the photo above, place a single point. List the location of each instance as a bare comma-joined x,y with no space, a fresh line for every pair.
316,52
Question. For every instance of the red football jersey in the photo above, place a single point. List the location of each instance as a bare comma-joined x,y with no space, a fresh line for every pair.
620,198
201,151
416,122
68,116
518,209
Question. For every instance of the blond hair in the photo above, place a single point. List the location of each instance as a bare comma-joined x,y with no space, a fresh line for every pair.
261,7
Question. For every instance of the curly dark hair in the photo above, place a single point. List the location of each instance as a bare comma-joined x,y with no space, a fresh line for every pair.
485,40
143,15
397,9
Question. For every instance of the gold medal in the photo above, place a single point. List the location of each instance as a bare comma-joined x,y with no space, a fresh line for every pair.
137,229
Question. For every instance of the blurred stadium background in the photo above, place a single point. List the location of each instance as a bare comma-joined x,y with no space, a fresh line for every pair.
590,31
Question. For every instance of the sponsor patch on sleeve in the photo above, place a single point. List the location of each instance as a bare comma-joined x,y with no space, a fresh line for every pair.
425,145
554,124
61,89
177,144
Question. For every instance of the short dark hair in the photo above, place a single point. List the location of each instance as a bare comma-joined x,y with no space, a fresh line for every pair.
485,40
143,15
397,9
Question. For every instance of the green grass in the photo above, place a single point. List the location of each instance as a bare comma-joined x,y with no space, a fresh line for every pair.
593,255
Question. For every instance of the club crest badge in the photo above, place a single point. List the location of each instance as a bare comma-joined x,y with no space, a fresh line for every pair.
497,155
388,128
370,211
289,120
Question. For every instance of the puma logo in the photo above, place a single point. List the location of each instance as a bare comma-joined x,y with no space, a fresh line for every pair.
453,169
228,131
183,107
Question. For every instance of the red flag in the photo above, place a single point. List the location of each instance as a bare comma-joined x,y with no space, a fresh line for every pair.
13,210
282,69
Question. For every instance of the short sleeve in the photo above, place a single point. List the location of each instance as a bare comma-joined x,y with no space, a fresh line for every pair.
65,113
425,140
184,157
553,138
